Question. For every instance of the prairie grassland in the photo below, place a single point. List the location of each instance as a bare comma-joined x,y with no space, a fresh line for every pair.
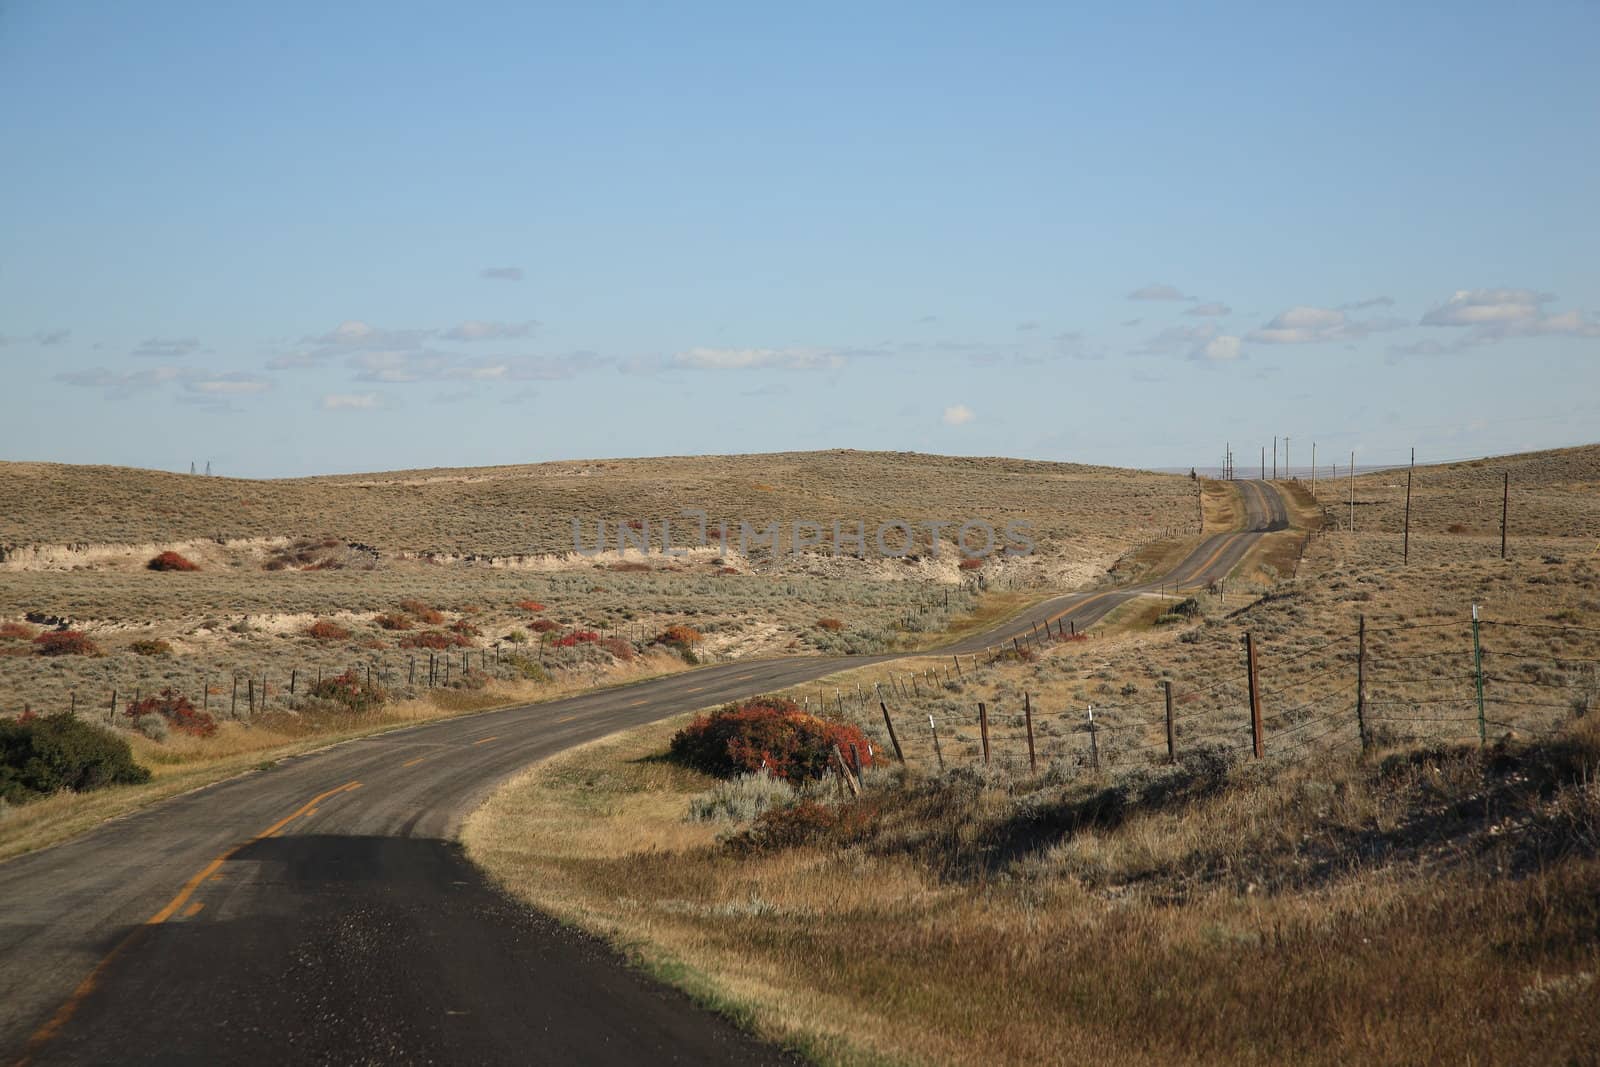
277,556
1384,890
1436,907
181,762
523,511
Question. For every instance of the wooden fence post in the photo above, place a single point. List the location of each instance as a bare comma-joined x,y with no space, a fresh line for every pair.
958,668
1172,755
1255,693
893,740
111,711
294,673
233,705
844,772
983,728
937,751
1094,741
1027,717
1361,681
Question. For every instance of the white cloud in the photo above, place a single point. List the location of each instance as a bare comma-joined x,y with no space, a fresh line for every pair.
1212,309
228,385
117,384
1221,349
351,401
473,330
167,348
758,359
398,366
1157,291
43,337
354,335
1179,339
503,274
1491,315
1312,325
1476,307
957,415
1371,302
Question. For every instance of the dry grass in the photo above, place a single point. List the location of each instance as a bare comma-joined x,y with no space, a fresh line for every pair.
1334,914
1435,902
74,541
183,762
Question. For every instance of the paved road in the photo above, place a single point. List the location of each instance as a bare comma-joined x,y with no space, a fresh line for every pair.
321,911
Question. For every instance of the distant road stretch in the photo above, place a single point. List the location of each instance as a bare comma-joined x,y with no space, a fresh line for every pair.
321,911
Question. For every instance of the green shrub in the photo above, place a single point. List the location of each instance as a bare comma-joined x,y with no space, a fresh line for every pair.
525,667
45,755
743,798
350,690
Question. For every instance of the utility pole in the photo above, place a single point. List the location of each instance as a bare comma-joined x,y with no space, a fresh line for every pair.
1313,467
1274,458
1288,471
1263,462
1352,492
1405,549
1505,507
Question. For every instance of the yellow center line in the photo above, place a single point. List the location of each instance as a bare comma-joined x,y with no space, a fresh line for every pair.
569,718
486,740
413,762
64,1014
193,909
695,689
636,703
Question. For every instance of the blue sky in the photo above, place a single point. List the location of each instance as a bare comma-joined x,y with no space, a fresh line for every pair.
307,238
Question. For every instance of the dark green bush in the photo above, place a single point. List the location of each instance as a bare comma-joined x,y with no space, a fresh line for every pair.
44,755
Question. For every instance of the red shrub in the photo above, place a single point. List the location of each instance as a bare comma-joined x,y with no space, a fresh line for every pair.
629,567
530,605
17,631
434,639
728,570
542,626
465,628
422,612
971,564
679,636
833,626
178,710
65,643
394,621
576,637
619,648
323,630
171,561
766,732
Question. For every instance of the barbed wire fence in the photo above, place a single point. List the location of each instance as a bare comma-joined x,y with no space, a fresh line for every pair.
1382,686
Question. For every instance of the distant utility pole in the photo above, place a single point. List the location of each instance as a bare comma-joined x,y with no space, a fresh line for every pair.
1505,509
1288,471
1352,492
208,468
1274,458
1405,550
191,466
1313,467
1263,462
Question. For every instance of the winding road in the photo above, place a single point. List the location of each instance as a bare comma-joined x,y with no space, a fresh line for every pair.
321,911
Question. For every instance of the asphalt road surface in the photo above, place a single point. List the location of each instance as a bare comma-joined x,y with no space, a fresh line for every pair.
321,911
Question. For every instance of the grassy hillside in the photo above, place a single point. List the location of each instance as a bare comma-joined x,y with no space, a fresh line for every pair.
1379,888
